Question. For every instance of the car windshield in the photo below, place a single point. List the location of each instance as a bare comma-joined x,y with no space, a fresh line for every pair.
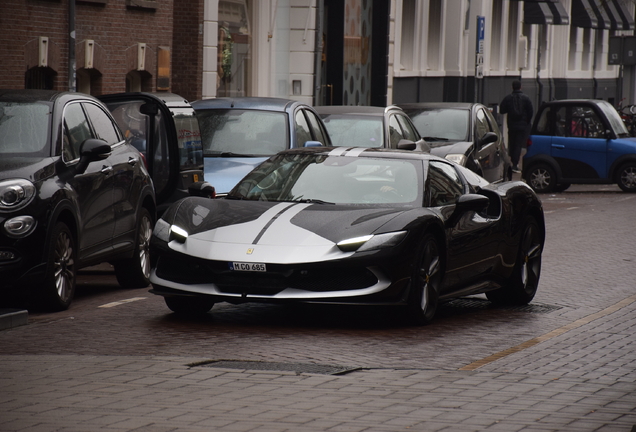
243,132
614,119
333,180
189,138
354,130
24,128
441,124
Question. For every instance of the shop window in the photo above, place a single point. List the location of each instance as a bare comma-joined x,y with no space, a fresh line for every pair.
234,49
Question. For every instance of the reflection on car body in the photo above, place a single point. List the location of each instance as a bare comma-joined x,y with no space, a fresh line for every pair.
351,226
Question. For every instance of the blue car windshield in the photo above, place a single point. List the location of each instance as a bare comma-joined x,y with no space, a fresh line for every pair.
614,118
334,180
243,132
24,128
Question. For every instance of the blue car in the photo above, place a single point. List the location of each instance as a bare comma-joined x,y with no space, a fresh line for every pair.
240,133
579,142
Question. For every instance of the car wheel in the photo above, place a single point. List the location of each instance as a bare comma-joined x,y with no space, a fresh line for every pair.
135,272
626,177
190,306
522,285
562,187
541,178
58,289
426,280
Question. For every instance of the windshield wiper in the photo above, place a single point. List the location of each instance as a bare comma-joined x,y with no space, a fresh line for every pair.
312,201
435,139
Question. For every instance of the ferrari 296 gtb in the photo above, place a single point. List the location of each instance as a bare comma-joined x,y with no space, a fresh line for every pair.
351,226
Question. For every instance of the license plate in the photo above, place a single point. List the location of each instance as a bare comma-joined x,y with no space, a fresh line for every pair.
243,266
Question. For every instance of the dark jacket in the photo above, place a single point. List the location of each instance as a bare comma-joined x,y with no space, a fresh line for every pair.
519,109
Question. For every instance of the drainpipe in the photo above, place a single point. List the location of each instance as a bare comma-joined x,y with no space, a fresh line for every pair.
71,46
539,83
320,7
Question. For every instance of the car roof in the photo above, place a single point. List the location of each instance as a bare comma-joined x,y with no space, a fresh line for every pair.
380,152
255,103
574,101
355,109
35,95
437,105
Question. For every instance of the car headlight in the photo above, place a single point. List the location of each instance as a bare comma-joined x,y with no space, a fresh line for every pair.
177,233
16,194
457,158
371,242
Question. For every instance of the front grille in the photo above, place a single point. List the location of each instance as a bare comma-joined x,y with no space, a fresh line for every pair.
316,278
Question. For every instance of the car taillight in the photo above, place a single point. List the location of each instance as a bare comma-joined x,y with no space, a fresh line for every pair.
528,142
143,157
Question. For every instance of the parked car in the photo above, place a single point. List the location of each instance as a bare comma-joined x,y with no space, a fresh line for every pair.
73,193
466,133
579,141
240,133
168,121
351,226
369,126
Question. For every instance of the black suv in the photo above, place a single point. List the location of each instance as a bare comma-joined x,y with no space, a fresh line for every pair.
73,193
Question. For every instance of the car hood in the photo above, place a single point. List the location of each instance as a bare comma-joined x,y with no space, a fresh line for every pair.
279,232
225,172
442,148
34,169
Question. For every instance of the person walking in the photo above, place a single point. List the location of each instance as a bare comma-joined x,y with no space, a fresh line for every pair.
519,108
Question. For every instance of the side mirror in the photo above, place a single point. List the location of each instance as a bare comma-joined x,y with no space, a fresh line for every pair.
489,137
149,109
91,150
202,189
405,144
313,144
466,203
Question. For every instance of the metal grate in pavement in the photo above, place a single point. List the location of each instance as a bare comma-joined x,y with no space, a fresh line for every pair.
476,303
277,367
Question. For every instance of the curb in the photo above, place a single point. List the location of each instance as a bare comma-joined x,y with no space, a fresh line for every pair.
10,318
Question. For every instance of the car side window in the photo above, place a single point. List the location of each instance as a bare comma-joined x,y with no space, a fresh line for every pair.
104,127
315,126
409,132
395,131
546,118
582,121
443,184
481,124
303,133
76,131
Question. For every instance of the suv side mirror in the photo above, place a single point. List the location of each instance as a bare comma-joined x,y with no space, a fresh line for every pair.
489,137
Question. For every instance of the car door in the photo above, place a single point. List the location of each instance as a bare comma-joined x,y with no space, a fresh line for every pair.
94,187
580,142
489,154
124,163
472,245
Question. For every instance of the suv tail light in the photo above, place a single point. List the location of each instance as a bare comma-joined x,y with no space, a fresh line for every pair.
528,142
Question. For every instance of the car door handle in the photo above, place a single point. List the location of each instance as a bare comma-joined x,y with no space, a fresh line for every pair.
558,145
132,161
106,169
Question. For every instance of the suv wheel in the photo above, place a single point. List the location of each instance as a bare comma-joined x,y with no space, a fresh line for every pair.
135,272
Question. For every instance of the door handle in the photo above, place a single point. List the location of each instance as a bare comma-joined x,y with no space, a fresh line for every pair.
562,146
132,161
106,169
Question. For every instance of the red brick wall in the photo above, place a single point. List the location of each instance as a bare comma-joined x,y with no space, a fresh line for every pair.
115,28
187,50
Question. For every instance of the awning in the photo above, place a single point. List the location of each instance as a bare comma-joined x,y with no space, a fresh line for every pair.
584,15
619,15
544,12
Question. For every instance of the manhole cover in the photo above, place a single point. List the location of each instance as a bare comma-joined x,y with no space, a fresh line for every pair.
280,367
476,303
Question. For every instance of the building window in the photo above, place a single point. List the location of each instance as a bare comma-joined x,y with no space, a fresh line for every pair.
496,35
234,49
408,35
512,36
434,34
42,78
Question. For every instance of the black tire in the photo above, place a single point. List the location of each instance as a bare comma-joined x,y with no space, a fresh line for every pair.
541,178
626,177
189,306
522,284
135,272
58,289
425,282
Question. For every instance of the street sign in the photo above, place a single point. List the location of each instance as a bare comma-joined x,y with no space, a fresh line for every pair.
481,32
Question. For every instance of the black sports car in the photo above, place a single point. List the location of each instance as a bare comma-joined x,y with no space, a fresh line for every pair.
351,226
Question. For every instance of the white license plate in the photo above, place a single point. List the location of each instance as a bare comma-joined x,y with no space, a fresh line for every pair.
243,266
